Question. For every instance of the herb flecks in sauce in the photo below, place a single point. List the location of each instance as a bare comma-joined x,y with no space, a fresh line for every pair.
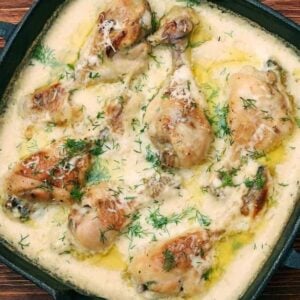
169,262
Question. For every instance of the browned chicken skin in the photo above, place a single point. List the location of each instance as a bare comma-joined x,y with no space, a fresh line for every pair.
48,176
113,50
100,219
114,114
259,109
122,25
50,103
173,267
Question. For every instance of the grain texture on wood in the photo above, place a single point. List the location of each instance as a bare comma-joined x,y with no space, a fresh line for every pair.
285,284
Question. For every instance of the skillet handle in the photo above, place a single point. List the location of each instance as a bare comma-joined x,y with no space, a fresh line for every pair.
292,260
6,30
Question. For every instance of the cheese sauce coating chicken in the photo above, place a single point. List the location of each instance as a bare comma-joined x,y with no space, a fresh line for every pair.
48,175
259,109
102,216
113,51
177,124
175,266
154,151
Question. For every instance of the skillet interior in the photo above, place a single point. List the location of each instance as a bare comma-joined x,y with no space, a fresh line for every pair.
16,49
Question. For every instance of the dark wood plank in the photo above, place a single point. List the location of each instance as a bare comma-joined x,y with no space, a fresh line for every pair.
290,8
285,284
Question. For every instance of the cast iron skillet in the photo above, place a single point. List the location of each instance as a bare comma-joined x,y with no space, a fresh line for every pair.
20,38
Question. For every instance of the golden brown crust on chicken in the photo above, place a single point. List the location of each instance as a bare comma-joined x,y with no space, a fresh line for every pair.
49,98
100,219
259,109
114,50
122,25
173,267
114,114
51,104
47,176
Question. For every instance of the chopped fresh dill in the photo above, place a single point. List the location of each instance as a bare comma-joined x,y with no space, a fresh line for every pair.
23,242
219,121
155,59
100,115
71,66
256,154
135,123
248,103
207,274
94,75
76,193
135,230
157,220
152,157
154,22
44,55
297,122
116,192
138,141
210,92
97,148
258,182
97,173
169,260
74,147
195,214
267,115
227,177
32,146
138,87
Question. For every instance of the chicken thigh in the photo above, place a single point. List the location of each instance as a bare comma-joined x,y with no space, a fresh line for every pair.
97,223
113,51
259,109
173,267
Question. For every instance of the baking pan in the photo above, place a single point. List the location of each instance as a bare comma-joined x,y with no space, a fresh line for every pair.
20,38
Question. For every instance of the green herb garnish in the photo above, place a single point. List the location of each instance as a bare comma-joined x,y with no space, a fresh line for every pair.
76,193
169,260
97,173
44,55
227,177
98,147
248,103
94,75
154,22
152,157
23,243
258,182
75,147
219,121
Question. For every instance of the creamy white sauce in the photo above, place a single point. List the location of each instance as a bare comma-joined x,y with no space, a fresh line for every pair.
233,44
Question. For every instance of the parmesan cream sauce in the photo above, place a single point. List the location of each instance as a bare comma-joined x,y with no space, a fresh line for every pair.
228,42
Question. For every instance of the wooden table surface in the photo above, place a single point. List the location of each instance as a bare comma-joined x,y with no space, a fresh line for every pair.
284,285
